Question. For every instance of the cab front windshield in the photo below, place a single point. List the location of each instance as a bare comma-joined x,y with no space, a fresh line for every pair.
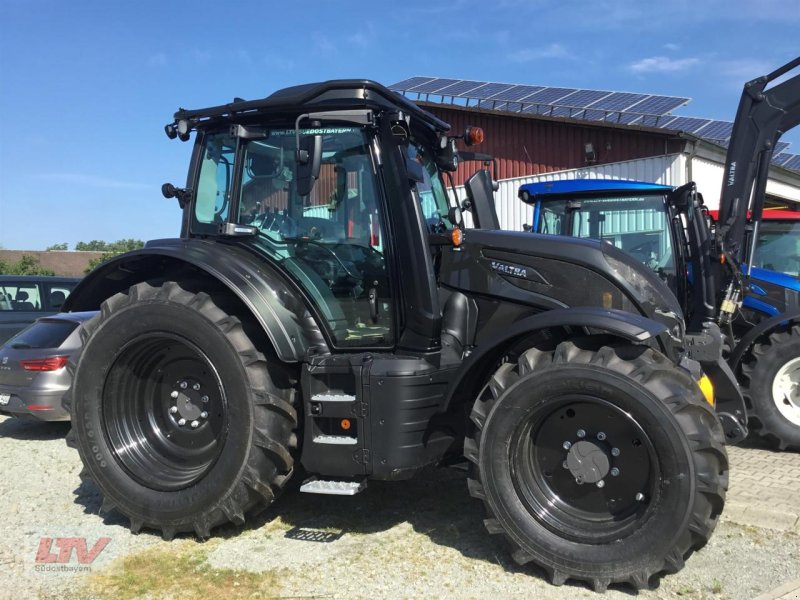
331,240
637,225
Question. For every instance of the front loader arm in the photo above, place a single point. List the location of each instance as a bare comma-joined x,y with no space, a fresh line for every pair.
762,117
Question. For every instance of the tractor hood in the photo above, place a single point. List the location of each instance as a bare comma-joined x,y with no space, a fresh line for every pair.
546,271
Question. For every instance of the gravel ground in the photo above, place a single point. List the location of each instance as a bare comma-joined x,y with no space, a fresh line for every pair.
422,538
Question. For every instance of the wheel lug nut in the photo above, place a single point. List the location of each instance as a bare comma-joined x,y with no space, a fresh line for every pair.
181,422
640,497
567,445
174,394
581,433
601,436
196,387
173,409
615,452
614,472
195,424
183,385
601,483
565,465
204,415
204,398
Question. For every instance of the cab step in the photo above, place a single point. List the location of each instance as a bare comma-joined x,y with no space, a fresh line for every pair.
335,488
330,397
336,440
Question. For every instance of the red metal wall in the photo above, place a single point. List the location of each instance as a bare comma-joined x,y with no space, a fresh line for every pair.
529,146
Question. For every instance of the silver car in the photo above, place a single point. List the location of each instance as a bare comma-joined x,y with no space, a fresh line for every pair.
33,374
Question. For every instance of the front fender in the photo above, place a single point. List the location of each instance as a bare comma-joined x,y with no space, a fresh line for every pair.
274,301
474,371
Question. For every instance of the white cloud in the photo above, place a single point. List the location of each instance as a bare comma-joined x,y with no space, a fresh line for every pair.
359,39
279,62
672,47
157,60
531,54
94,181
324,45
663,64
742,70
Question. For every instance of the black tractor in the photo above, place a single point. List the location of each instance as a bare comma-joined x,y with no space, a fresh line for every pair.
325,317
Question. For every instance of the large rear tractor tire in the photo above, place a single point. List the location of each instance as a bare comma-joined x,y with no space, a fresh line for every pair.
771,388
179,420
601,465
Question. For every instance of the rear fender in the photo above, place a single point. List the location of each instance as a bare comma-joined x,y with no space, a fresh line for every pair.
278,306
481,362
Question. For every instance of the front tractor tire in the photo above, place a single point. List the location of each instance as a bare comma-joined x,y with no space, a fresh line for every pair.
179,420
771,388
603,465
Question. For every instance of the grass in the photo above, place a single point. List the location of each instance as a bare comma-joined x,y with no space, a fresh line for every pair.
181,571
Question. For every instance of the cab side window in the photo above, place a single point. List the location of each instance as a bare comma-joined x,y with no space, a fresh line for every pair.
432,194
212,199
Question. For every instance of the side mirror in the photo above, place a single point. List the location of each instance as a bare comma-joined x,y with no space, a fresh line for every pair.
480,193
414,169
309,161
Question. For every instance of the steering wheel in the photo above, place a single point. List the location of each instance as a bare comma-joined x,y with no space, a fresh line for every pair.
331,251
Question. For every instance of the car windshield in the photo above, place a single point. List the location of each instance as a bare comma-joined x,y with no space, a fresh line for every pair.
636,224
778,247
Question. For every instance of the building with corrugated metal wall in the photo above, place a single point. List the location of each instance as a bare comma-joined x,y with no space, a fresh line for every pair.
530,147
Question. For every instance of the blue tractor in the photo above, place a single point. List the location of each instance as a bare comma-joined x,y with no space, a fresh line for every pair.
669,230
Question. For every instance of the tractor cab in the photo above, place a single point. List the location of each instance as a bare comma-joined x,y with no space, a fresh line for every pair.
631,215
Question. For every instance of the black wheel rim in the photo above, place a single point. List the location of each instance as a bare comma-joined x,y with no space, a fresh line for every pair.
585,469
164,411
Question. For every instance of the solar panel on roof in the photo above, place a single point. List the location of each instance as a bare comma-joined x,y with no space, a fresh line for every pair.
493,104
629,119
793,163
432,87
490,89
686,124
591,114
783,157
657,105
459,88
549,95
583,98
567,111
656,120
618,101
717,130
516,93
410,83
780,147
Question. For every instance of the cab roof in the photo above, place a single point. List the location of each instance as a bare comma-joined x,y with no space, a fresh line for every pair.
543,189
335,94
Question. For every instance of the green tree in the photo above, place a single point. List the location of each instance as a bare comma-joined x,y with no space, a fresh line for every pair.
62,247
27,265
109,249
93,246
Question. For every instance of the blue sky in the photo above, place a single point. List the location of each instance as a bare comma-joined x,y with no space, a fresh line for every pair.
86,87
